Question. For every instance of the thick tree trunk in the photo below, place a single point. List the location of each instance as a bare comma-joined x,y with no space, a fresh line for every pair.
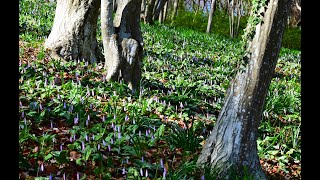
212,7
232,145
122,40
73,35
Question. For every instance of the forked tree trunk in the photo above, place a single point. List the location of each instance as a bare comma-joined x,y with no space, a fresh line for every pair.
73,35
212,7
232,145
122,42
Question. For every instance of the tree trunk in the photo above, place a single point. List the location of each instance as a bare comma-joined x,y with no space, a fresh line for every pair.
295,13
212,7
122,42
175,8
159,8
232,145
165,10
149,12
73,35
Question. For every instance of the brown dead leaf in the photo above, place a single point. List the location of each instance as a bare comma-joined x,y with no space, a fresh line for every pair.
74,155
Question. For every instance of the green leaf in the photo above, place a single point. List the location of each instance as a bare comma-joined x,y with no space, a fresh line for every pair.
48,156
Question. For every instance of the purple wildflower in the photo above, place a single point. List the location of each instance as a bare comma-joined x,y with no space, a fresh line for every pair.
90,106
109,147
111,140
50,177
20,103
141,172
64,176
164,172
61,147
104,142
126,118
22,114
112,125
78,176
202,177
75,120
42,167
64,105
86,137
119,135
83,147
146,173
123,171
70,139
142,159
40,106
161,163
103,118
87,122
98,147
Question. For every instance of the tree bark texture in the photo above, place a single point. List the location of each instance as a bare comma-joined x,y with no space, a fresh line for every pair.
232,145
122,41
212,7
73,35
295,13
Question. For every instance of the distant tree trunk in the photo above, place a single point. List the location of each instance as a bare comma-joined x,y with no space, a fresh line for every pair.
159,8
212,8
161,17
175,8
295,13
232,145
234,17
165,11
122,42
73,35
149,12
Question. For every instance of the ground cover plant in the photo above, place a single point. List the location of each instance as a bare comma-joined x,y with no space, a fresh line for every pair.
75,125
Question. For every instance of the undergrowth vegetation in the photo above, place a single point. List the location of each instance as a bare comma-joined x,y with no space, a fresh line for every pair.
220,25
73,124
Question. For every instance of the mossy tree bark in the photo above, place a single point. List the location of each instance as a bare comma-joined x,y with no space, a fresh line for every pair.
232,145
122,42
73,35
